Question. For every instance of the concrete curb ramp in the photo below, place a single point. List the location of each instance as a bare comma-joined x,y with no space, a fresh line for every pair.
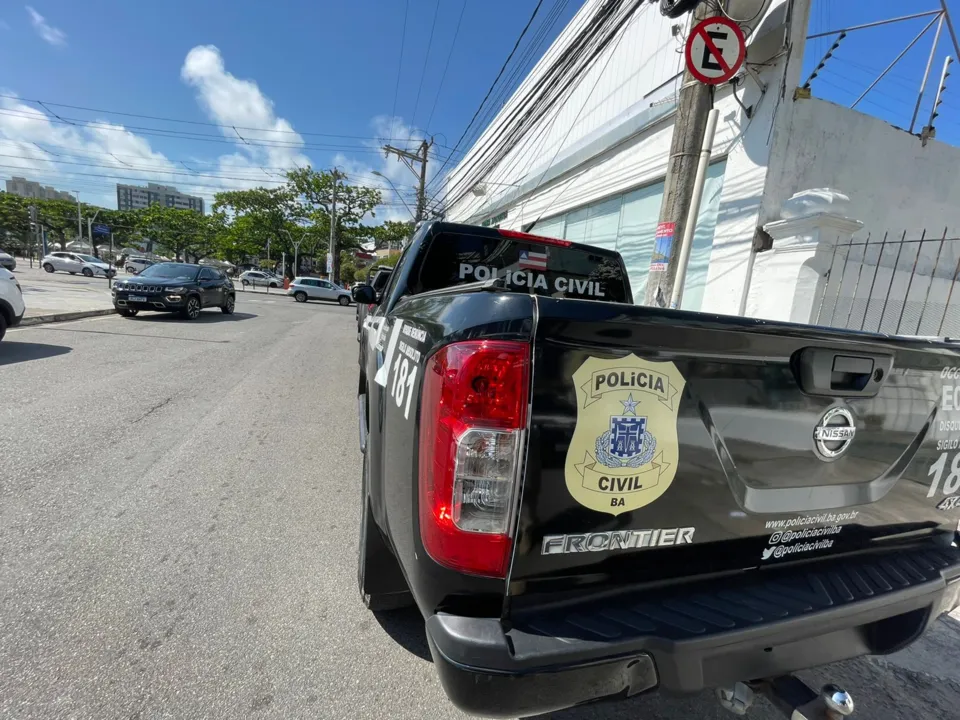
64,317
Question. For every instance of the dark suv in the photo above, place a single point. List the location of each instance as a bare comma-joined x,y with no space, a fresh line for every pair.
175,287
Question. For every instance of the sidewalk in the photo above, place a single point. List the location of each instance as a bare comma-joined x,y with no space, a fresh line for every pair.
57,293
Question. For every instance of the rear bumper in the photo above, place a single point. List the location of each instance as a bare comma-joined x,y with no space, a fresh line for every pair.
702,635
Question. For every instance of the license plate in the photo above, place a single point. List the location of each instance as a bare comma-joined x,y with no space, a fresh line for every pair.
137,298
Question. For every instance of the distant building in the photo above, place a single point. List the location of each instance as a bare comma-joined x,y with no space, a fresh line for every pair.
135,197
30,189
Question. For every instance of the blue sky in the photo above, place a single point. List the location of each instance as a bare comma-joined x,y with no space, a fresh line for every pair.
317,81
863,55
316,67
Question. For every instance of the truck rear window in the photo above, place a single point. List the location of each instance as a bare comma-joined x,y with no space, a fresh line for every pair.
525,266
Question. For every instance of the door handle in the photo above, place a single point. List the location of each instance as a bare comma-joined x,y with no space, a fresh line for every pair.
839,373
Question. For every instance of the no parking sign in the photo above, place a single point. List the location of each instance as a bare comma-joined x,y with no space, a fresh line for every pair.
715,50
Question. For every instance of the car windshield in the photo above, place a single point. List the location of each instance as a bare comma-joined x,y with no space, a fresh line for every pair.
171,271
90,258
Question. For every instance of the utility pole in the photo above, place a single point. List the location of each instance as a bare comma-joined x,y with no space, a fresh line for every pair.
420,157
334,251
79,223
693,107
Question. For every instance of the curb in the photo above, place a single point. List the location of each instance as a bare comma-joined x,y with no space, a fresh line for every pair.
64,317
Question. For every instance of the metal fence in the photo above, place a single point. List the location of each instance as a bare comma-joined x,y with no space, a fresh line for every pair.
894,284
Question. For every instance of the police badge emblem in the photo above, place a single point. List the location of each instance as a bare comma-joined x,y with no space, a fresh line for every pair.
624,451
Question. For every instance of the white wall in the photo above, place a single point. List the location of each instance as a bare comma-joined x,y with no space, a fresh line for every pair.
899,273
894,183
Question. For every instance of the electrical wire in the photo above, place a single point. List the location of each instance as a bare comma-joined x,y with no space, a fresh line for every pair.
446,65
530,108
403,40
196,137
426,59
194,122
494,84
563,74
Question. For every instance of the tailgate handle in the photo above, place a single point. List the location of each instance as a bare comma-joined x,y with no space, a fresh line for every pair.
838,373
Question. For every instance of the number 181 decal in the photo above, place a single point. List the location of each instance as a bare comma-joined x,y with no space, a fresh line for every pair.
404,378
951,483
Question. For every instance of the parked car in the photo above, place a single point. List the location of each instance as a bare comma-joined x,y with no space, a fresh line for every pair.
8,261
303,289
586,498
73,263
11,301
135,264
175,287
261,278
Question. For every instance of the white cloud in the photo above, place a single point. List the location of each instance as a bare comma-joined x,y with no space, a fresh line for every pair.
34,146
52,35
404,137
239,105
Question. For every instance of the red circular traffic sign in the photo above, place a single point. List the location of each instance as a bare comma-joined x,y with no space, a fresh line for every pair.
715,50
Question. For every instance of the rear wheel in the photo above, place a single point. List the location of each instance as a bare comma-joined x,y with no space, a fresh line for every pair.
192,309
300,296
229,305
48,267
131,269
127,312
87,272
382,585
3,326
343,300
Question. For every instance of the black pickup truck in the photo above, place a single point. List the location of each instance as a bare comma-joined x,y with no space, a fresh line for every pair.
589,499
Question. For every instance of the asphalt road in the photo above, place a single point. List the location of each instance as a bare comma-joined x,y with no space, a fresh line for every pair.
178,525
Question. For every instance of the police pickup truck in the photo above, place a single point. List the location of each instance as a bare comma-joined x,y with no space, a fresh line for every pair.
589,499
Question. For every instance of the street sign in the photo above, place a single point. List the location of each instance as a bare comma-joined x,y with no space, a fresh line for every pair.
329,263
101,229
716,50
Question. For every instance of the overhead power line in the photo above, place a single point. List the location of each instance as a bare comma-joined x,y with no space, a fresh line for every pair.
244,128
426,59
446,65
506,62
403,40
552,86
197,137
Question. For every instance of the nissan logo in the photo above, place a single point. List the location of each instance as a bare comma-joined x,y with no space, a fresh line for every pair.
834,433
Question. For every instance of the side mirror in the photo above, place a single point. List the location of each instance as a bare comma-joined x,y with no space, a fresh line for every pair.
364,294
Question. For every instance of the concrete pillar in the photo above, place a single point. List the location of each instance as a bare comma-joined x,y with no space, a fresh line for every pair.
789,280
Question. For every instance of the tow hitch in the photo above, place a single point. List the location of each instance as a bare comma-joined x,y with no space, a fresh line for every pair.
791,696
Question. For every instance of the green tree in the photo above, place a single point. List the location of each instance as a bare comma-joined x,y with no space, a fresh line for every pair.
59,217
270,213
392,234
14,221
176,231
315,188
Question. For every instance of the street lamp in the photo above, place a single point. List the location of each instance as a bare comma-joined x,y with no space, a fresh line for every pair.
480,189
380,174
296,249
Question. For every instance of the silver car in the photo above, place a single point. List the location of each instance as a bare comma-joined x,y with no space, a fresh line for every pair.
74,263
303,289
7,261
260,278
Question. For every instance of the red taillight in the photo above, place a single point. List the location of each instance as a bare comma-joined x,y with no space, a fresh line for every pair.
473,413
534,238
370,307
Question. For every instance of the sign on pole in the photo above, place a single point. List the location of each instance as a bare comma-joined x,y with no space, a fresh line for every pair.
715,50
329,263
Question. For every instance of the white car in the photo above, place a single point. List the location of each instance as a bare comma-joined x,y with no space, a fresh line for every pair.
303,289
73,263
136,265
11,301
257,277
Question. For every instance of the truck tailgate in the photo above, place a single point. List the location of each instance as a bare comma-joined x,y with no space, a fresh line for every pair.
666,445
